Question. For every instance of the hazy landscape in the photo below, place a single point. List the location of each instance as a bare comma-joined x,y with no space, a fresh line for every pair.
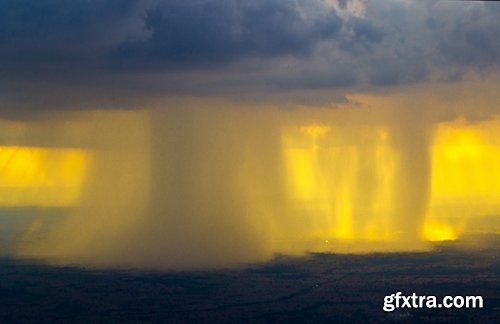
318,288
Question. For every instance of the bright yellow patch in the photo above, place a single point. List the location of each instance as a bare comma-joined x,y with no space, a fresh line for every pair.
46,177
439,231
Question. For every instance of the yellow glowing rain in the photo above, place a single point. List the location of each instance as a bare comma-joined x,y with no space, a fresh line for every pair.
465,177
328,168
190,186
44,177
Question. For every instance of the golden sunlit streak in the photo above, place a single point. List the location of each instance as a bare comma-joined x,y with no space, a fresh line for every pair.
46,177
343,184
465,177
315,130
466,160
440,231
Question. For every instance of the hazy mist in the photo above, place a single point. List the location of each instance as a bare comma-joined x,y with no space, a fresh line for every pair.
198,183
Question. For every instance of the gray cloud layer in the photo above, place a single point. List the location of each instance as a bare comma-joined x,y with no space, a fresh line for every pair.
63,54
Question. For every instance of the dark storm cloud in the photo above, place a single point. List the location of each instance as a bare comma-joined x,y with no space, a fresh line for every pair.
94,53
99,53
473,39
173,34
186,34
400,42
63,34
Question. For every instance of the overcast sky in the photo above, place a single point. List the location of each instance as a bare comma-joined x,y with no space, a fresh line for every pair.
62,54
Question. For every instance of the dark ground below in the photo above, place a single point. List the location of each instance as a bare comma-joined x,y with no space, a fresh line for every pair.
321,288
